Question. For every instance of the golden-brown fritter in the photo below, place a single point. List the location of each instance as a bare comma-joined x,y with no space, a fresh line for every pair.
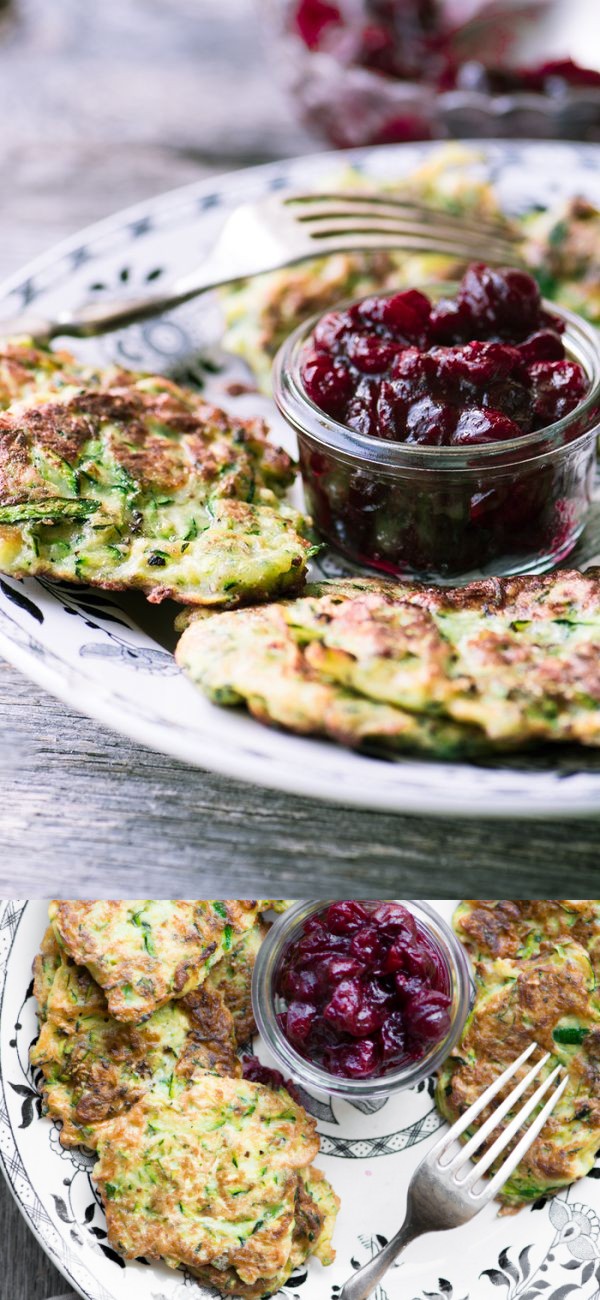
232,978
122,480
214,1177
494,665
95,1067
143,952
547,996
515,927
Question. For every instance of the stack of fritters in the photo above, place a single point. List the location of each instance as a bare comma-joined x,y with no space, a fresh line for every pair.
494,665
122,480
536,967
143,1005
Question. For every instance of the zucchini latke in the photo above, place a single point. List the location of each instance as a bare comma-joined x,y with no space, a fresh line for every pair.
125,481
535,965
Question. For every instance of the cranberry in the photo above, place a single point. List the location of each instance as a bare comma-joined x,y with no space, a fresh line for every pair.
300,984
478,425
511,398
450,321
416,370
299,1020
256,1072
353,1060
477,362
330,330
346,917
428,1014
558,386
405,315
407,985
333,969
366,944
390,413
393,1036
351,1011
500,300
544,345
394,919
416,961
361,412
370,354
394,957
327,383
430,423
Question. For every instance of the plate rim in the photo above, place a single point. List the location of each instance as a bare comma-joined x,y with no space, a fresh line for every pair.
240,766
49,1250
227,760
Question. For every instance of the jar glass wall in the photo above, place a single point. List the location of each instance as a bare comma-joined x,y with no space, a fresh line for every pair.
448,514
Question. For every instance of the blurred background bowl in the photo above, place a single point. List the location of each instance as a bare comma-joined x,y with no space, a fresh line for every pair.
381,71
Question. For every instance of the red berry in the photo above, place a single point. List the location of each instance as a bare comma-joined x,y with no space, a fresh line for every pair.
346,917
405,315
478,425
353,1060
394,919
351,1012
544,345
393,1037
328,383
329,332
557,387
428,1015
299,1021
500,300
369,353
430,423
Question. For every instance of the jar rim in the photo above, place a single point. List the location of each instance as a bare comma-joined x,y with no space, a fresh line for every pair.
582,343
283,931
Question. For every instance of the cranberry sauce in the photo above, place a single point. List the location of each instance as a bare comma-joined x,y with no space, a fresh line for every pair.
483,367
366,990
254,1070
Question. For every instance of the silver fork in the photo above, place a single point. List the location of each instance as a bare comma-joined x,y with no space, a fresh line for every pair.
281,231
437,1198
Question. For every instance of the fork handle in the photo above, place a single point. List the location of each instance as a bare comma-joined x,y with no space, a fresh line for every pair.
364,1281
97,318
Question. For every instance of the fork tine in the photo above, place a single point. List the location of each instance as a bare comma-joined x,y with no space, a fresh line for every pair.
510,1164
498,1114
403,205
508,1133
360,241
369,223
464,1121
435,218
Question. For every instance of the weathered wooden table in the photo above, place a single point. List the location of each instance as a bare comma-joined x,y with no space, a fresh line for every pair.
103,105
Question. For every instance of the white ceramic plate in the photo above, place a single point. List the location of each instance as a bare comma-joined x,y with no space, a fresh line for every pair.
102,654
368,1151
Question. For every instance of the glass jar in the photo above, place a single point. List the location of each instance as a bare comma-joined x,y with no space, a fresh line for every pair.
447,514
266,1003
380,71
